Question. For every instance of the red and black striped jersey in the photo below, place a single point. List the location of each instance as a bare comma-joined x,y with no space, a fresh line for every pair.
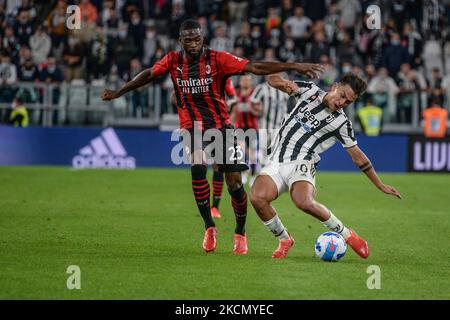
200,85
245,119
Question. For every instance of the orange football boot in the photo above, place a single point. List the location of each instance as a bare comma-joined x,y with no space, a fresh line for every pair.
283,248
240,244
209,241
215,212
358,244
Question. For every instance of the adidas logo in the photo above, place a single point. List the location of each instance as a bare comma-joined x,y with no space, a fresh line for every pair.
105,151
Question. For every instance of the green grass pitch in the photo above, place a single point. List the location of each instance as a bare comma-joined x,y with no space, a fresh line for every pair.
137,235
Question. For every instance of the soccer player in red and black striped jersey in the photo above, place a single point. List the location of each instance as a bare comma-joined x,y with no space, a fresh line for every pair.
247,119
199,76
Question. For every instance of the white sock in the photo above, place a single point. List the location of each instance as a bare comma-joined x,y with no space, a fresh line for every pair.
276,227
336,225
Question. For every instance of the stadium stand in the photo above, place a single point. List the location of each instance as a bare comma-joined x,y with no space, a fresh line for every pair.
60,73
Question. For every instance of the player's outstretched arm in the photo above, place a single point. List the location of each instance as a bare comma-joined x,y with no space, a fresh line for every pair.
262,68
278,82
361,160
143,78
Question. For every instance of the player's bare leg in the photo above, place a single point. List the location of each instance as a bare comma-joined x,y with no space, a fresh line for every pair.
217,191
263,192
302,194
201,189
239,203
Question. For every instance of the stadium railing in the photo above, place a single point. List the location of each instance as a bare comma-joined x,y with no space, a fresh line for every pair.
79,103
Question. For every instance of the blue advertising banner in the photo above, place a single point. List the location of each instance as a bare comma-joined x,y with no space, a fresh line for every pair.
130,148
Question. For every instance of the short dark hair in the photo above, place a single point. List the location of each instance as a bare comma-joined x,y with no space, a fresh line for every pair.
357,84
189,24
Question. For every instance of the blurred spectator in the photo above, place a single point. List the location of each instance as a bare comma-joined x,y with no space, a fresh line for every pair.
244,40
414,44
432,56
124,49
289,52
19,113
435,88
136,30
395,55
287,9
40,45
107,10
56,22
97,58
138,97
435,120
350,10
10,44
370,117
221,42
28,72
23,27
8,79
73,59
52,74
238,10
383,89
434,19
318,47
346,50
150,44
297,27
273,20
89,10
86,32
330,73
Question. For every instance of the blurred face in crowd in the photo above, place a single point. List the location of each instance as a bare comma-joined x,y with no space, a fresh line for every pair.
319,37
340,96
298,12
9,32
192,42
135,18
135,64
23,17
395,39
51,64
404,68
245,29
5,60
383,73
245,82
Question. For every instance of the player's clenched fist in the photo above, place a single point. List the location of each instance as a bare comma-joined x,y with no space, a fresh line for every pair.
108,95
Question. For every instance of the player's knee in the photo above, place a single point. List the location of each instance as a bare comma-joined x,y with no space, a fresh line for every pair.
258,202
306,205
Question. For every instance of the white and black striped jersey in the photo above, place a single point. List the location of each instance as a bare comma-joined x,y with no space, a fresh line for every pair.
274,104
310,128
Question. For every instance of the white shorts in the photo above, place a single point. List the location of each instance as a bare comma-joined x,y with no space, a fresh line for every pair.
285,174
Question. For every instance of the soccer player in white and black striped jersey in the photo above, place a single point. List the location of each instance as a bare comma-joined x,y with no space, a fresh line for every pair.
315,123
270,105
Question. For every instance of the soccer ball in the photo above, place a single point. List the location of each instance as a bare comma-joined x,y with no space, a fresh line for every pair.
330,246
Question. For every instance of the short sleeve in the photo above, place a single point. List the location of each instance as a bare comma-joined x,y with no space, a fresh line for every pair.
230,64
347,135
303,87
257,94
162,66
229,88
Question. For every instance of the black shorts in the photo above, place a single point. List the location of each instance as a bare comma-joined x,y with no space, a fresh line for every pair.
219,145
